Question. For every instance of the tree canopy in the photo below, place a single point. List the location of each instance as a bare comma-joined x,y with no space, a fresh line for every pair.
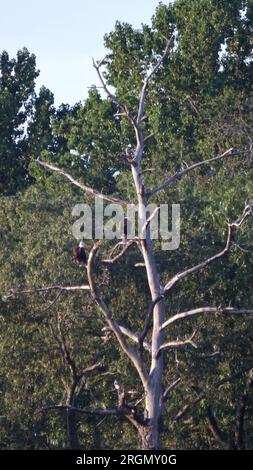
198,106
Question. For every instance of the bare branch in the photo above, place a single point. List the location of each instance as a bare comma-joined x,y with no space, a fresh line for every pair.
148,78
89,411
136,122
91,280
236,245
204,356
150,136
187,407
92,370
111,96
166,394
65,353
81,185
34,290
115,247
178,344
147,170
231,231
106,89
185,171
122,106
233,377
130,334
202,310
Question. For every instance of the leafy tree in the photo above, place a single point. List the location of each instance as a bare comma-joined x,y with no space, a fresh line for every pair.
17,82
190,116
40,133
150,370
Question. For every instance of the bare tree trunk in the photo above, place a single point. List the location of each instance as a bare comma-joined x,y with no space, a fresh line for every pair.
148,438
150,433
72,430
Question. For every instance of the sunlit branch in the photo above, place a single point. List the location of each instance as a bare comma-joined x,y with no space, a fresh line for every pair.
185,171
148,221
210,310
34,290
81,185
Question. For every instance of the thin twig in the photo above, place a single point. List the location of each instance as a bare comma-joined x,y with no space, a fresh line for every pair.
117,257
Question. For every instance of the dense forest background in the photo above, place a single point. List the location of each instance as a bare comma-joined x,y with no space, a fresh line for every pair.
198,106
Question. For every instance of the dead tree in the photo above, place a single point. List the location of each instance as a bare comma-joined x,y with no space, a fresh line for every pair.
151,374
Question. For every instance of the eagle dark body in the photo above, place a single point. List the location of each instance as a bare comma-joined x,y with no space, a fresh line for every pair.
79,254
124,225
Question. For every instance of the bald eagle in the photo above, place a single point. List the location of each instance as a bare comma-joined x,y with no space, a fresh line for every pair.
79,253
121,394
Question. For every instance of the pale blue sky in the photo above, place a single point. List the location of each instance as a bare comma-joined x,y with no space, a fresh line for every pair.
65,35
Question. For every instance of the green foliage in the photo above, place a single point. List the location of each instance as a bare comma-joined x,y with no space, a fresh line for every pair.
17,81
199,104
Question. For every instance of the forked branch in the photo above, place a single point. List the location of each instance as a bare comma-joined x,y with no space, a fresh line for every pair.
185,171
135,121
171,345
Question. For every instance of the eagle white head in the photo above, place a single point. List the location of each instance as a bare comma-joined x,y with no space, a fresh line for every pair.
116,385
81,244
